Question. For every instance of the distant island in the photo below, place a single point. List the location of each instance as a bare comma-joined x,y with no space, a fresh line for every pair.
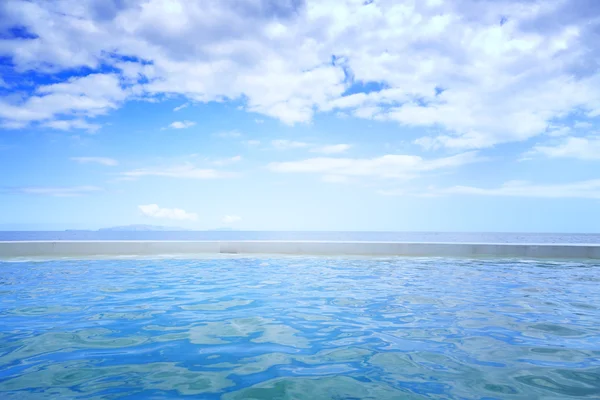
141,228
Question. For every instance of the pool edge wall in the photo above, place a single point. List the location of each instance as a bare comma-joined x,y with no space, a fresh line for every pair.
14,249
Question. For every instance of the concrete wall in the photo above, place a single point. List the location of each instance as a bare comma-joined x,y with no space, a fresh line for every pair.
141,248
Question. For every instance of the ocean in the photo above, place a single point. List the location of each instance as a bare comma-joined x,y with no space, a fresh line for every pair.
432,237
302,328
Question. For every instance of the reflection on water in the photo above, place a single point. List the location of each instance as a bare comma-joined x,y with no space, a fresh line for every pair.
299,328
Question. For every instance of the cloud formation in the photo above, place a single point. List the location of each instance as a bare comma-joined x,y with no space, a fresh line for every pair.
332,149
109,162
285,144
54,191
184,171
480,72
386,167
49,104
181,124
589,189
226,161
181,107
583,148
154,211
70,124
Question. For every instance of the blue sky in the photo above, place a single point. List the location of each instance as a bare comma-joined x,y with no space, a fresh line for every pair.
301,115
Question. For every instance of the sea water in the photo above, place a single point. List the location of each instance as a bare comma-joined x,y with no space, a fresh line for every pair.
299,328
432,237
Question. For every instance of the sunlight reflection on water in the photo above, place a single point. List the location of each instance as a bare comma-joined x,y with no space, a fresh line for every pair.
299,328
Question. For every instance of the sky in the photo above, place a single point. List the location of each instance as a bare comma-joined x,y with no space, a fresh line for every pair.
377,115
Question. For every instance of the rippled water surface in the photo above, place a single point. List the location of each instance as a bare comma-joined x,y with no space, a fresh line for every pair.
299,328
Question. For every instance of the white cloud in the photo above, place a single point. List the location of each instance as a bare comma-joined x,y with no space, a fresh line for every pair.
252,142
110,162
227,161
585,189
86,96
582,125
286,144
181,107
332,149
67,125
481,72
231,219
259,121
283,144
181,125
558,130
65,191
571,147
387,166
154,211
6,124
184,171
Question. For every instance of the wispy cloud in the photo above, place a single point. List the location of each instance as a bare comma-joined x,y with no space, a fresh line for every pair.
184,171
154,211
284,144
180,125
55,191
583,125
8,124
231,219
387,166
583,148
332,149
589,189
251,142
67,125
226,161
110,162
559,131
181,107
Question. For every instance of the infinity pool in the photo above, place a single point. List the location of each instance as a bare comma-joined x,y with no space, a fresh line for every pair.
299,328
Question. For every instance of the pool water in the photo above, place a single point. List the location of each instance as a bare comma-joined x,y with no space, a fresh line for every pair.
299,328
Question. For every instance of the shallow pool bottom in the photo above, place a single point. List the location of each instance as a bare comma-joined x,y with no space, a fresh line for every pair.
299,328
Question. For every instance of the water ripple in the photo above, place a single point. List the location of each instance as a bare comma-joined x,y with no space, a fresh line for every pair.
299,328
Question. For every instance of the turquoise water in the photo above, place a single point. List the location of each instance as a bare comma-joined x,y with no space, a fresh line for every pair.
299,328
